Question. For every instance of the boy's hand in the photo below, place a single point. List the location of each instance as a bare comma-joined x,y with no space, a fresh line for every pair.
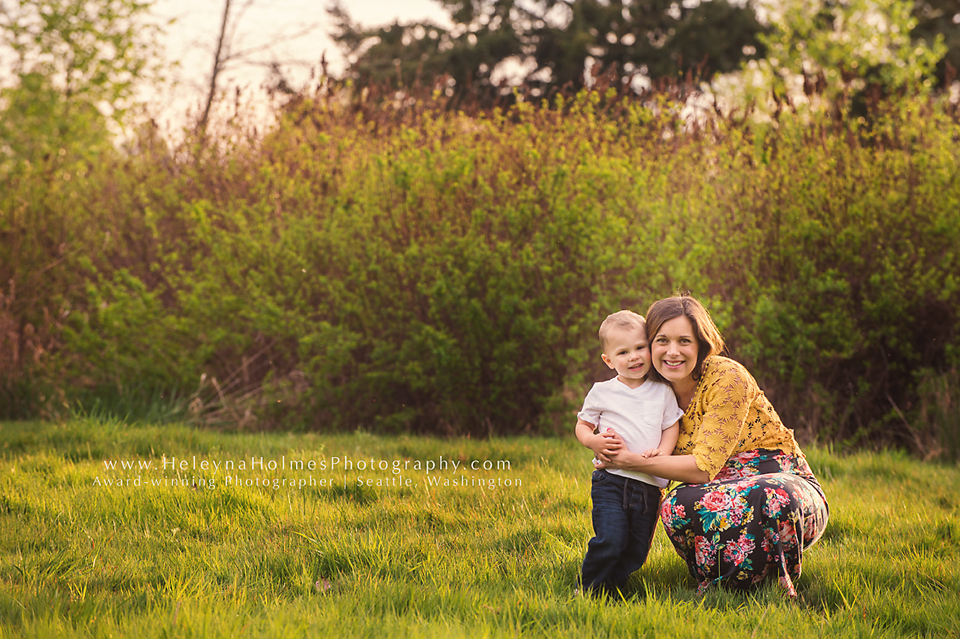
653,452
609,445
605,445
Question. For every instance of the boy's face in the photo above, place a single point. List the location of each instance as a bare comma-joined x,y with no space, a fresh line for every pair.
628,353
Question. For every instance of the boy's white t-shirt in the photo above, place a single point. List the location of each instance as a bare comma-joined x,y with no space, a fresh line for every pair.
638,415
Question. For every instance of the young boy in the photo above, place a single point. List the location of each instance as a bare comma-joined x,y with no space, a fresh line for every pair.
642,415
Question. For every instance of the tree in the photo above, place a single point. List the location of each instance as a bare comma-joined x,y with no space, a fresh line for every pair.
844,50
75,67
940,18
551,43
225,55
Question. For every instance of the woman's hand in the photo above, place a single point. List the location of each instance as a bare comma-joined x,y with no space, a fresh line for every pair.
624,459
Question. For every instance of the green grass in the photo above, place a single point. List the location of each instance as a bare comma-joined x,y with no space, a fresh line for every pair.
77,559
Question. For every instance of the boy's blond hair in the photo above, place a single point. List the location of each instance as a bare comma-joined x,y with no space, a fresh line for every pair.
620,319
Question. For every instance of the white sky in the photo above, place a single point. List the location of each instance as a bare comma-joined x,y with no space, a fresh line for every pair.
294,33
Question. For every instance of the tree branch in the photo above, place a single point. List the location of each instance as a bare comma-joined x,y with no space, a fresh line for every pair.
217,66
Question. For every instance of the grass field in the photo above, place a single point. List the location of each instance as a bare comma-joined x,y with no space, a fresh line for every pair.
180,549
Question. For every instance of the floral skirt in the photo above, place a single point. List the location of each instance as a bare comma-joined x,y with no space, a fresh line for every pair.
753,521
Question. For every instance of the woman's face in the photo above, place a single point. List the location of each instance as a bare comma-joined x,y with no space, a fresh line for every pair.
674,349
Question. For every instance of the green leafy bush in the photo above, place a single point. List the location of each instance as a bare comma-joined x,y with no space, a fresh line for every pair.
856,287
413,269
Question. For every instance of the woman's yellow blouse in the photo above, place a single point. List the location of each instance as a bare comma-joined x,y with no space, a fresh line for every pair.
729,414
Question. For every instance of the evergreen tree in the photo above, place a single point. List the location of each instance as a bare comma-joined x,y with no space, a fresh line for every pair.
551,43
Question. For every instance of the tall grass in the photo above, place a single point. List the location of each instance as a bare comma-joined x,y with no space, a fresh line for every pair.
82,560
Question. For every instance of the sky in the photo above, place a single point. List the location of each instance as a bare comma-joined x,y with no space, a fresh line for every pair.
291,32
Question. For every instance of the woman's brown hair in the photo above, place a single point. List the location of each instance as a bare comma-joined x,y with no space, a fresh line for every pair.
709,340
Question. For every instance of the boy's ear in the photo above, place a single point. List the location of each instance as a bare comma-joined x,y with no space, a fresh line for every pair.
607,360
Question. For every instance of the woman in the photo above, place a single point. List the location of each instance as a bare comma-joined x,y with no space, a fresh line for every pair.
749,505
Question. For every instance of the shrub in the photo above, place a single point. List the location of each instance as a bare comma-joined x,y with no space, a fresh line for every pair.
415,269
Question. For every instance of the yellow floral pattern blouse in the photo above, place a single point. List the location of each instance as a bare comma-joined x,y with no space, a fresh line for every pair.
729,414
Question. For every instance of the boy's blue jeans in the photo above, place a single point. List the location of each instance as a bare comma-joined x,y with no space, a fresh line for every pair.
625,513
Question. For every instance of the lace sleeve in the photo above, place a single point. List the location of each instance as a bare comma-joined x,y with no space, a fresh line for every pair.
726,403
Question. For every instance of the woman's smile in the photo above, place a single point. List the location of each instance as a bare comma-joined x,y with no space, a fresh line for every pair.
674,349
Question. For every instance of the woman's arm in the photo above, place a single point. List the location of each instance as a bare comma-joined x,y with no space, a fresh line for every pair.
674,467
728,393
